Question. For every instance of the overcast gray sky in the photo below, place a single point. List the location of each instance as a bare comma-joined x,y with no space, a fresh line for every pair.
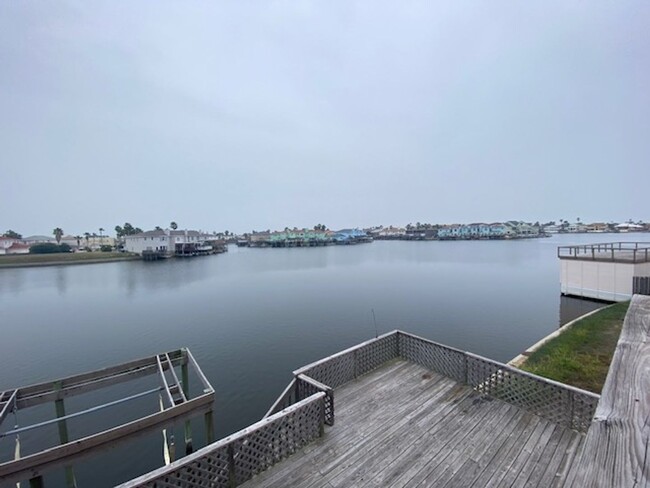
253,115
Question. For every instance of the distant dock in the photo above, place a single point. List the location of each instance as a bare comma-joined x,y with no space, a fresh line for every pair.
608,271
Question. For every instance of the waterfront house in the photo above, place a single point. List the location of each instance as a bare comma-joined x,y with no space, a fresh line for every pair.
351,236
449,232
497,230
552,229
389,232
577,227
167,242
473,230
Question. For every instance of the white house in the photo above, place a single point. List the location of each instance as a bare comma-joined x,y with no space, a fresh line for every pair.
9,245
167,241
38,239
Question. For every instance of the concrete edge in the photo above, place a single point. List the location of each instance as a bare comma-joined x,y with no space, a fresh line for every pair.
520,359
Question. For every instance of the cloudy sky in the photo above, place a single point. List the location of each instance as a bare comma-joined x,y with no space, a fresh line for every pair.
253,115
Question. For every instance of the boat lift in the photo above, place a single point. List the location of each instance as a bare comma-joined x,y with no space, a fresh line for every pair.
178,405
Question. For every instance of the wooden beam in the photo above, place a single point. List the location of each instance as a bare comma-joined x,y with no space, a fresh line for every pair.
43,393
37,463
185,378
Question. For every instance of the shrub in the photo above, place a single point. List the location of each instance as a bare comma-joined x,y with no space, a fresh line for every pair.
49,248
106,248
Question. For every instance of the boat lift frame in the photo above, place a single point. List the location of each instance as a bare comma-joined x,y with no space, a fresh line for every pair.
180,406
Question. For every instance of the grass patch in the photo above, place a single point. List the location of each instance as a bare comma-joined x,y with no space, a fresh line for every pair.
581,355
66,257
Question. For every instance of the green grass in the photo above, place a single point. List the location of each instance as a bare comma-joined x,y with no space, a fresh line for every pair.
68,257
581,355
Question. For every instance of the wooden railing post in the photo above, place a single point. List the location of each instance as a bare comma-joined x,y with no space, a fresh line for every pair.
36,482
232,480
209,427
63,434
321,428
185,380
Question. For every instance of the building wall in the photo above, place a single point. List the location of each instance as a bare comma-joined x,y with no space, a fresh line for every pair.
597,279
139,244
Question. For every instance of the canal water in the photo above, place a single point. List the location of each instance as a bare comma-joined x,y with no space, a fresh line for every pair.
251,316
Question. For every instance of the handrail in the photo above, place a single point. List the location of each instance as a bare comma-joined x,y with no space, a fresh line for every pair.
222,454
633,252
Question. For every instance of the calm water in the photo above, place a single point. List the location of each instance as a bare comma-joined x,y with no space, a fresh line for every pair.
251,316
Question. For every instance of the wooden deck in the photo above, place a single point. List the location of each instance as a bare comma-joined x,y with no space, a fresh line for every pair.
615,451
404,425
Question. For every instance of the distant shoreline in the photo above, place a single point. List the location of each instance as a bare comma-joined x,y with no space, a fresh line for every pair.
27,261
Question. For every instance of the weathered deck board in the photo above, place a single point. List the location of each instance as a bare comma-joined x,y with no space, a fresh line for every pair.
615,451
403,425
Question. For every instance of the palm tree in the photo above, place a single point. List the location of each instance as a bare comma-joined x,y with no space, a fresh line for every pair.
78,238
87,236
58,233
157,228
101,235
173,225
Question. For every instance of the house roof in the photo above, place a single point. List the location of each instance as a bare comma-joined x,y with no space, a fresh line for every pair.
160,233
39,238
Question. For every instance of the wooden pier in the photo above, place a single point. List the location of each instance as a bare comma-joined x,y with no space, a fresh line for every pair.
399,410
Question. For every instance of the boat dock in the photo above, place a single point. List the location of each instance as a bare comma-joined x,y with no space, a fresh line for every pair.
608,271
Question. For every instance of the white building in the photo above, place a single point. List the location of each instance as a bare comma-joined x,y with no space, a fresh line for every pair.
9,245
167,241
603,271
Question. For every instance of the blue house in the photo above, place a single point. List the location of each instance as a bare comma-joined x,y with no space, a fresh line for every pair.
498,230
351,236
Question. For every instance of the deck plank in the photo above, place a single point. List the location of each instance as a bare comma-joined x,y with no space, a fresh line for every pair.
353,428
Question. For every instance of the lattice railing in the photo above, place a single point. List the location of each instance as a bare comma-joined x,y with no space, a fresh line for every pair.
559,403
442,359
567,406
562,404
338,369
306,386
236,459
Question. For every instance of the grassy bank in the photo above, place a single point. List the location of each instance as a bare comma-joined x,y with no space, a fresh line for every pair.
15,260
581,355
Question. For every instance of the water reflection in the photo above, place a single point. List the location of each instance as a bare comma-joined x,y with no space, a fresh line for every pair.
571,308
